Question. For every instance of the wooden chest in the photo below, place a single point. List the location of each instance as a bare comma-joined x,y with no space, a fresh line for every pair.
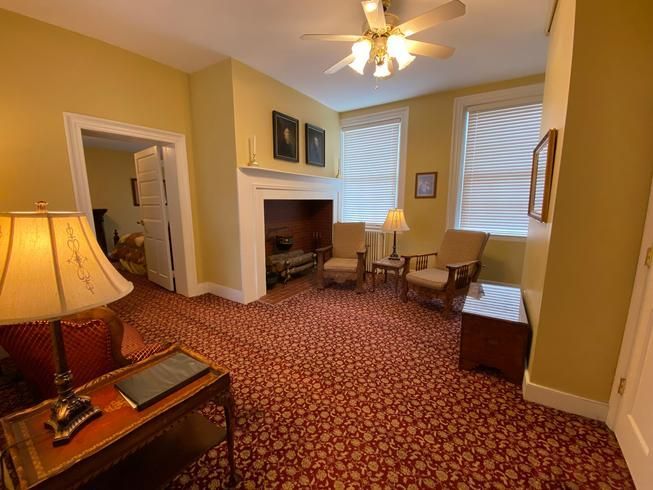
495,331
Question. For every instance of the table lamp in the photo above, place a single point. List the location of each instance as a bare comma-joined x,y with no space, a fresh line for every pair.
395,222
52,266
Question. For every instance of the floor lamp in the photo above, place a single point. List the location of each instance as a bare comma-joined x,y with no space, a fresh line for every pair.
52,266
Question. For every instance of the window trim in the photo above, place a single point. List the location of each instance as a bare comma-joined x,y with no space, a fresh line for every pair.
352,122
486,100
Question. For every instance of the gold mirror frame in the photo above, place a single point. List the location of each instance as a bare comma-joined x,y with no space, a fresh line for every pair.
540,210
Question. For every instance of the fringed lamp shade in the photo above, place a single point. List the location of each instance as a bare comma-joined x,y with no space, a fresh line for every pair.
52,266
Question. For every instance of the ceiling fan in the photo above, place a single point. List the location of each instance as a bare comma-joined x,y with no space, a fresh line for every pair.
384,39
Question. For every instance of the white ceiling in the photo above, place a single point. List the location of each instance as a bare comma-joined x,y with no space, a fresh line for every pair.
107,141
495,40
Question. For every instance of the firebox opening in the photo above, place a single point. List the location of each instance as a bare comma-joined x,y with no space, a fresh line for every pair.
294,228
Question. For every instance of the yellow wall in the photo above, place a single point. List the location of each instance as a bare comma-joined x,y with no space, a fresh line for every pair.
215,156
47,71
109,180
430,123
605,171
554,114
255,97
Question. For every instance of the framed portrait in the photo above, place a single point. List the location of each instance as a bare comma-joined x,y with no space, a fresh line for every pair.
541,176
315,145
285,130
426,184
136,198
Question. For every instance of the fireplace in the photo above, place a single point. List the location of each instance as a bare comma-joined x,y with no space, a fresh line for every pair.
256,186
294,228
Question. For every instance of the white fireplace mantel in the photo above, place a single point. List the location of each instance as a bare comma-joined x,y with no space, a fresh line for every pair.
255,185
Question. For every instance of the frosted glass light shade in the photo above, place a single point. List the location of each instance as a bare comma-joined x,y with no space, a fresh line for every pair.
51,266
395,221
383,69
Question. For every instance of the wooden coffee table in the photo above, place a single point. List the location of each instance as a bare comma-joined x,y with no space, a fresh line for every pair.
387,264
122,433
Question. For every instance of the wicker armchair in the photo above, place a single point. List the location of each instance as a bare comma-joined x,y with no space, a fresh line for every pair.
345,258
454,268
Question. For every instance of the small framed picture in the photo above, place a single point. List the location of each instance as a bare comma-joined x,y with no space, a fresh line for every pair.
285,130
541,176
315,145
426,184
136,198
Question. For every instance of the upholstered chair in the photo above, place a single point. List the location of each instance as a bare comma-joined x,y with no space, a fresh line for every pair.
448,273
345,258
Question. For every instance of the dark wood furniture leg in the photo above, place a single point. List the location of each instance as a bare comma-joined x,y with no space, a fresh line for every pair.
374,278
229,415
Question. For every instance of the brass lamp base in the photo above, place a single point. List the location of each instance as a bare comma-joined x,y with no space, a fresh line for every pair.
69,414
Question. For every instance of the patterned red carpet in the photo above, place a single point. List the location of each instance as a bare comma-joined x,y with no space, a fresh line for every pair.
338,390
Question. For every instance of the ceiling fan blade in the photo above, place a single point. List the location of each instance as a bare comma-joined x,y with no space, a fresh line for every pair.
348,38
448,11
339,65
428,49
374,14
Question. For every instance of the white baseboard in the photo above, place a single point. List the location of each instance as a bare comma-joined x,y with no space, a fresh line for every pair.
218,290
561,400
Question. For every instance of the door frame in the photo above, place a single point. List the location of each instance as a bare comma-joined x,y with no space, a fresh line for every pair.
180,214
630,330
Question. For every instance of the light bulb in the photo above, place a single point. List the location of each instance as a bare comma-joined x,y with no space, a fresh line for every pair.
396,45
382,69
358,65
361,49
404,60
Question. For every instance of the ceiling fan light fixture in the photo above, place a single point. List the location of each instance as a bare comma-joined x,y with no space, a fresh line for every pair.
358,65
396,45
370,5
404,60
382,69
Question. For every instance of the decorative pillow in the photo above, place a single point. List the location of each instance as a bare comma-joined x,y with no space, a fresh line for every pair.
88,351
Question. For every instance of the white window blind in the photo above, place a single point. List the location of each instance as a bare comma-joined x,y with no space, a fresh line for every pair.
497,161
370,164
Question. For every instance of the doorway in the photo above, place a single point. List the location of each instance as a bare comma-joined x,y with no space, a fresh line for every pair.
177,189
126,182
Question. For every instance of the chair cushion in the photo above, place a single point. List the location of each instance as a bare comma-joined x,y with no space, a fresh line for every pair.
88,351
341,265
429,278
460,246
348,238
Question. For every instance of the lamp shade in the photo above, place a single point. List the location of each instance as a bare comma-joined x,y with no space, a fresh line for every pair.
395,221
51,266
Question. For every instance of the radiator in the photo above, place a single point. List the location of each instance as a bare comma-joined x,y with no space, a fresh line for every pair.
376,247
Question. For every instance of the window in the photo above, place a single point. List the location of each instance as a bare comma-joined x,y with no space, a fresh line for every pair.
372,149
495,157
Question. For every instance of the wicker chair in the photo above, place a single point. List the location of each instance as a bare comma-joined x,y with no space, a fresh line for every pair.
345,258
455,267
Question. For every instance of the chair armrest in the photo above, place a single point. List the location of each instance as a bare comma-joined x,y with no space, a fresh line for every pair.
461,274
421,261
323,249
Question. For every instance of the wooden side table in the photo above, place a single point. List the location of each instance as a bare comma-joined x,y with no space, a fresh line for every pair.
495,330
121,431
387,264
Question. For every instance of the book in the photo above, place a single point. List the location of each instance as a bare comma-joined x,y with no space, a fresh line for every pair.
156,382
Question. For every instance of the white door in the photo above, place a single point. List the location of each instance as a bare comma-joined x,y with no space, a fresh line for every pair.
634,423
154,216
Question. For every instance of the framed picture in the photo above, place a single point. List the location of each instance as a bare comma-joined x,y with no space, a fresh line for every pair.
136,198
285,130
541,176
426,184
315,145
